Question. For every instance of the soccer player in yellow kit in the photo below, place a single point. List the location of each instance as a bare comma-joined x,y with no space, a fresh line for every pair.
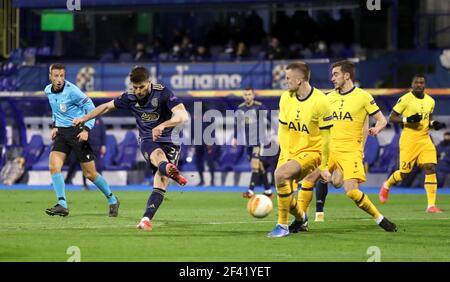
304,124
414,110
350,106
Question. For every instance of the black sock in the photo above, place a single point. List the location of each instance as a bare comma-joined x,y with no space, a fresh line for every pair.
265,180
253,180
154,201
321,195
162,167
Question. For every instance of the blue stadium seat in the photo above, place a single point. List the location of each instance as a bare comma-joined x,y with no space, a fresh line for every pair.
388,158
126,151
125,155
255,50
215,50
42,163
17,55
224,57
44,51
106,58
30,51
111,150
125,57
233,159
371,150
33,150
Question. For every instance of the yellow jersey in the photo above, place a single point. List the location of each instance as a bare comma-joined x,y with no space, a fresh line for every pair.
301,121
409,105
350,110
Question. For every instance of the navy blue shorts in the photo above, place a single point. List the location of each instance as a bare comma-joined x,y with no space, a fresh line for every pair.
171,150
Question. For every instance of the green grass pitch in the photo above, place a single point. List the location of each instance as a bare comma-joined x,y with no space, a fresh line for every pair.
215,226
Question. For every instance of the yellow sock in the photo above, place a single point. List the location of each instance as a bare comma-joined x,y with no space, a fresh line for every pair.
305,195
394,178
284,203
363,202
294,185
295,209
284,197
431,188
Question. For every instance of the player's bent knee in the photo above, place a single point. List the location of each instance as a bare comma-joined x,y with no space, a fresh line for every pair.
337,179
281,176
350,185
337,184
54,167
90,175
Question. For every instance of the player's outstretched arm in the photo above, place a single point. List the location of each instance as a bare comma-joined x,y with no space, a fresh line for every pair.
380,124
98,111
179,116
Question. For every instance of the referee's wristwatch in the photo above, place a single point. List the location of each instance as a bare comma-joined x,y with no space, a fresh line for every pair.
86,128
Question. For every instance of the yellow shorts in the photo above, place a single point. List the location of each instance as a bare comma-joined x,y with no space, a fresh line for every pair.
421,151
308,162
351,165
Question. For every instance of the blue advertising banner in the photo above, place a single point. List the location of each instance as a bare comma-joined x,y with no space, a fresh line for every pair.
193,76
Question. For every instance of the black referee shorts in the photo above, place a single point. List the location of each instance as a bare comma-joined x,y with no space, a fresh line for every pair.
66,141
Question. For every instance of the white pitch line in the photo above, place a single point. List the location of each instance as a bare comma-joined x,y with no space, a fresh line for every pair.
199,223
235,222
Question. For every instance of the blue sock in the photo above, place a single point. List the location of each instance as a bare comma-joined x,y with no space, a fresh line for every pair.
153,202
59,186
162,167
321,195
253,180
101,184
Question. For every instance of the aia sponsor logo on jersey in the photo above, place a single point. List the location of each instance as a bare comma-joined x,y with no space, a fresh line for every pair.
342,116
297,126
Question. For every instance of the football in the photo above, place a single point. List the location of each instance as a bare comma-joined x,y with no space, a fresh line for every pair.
259,206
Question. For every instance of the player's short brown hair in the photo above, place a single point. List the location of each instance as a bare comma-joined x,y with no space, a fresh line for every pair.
57,67
302,67
346,67
418,75
139,74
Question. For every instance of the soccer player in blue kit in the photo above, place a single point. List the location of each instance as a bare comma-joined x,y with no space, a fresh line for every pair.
157,111
253,116
68,102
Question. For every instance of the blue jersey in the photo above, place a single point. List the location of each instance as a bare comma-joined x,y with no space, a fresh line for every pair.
251,124
151,111
68,103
